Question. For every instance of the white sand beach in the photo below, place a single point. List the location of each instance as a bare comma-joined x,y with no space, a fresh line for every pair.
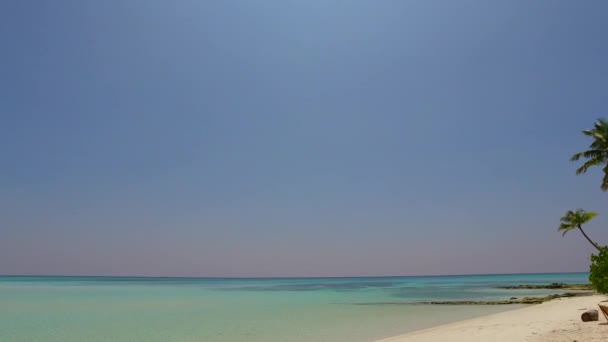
555,321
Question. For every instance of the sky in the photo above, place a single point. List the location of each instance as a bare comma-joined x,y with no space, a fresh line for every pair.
298,138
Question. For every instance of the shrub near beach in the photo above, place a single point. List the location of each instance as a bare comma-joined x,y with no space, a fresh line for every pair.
599,271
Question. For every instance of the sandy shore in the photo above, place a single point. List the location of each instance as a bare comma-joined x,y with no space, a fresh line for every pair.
554,321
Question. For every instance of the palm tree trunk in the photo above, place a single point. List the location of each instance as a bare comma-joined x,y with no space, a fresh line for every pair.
588,239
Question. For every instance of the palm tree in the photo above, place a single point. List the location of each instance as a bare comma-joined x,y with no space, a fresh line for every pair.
575,219
597,154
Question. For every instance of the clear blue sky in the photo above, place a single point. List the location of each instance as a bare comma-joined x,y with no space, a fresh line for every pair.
297,138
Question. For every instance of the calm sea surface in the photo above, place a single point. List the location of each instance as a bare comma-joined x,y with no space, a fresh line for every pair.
215,309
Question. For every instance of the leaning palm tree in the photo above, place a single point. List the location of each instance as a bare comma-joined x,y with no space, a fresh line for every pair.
574,220
597,154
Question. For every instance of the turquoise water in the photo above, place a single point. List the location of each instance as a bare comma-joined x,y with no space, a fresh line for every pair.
213,309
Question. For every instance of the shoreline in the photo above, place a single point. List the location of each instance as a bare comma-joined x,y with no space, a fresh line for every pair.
557,320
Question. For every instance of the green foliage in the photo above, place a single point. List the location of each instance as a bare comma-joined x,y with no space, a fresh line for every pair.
597,155
575,218
599,271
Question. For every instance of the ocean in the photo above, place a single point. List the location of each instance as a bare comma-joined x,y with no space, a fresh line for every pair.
37,308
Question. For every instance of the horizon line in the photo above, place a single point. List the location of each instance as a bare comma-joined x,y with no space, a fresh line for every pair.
287,277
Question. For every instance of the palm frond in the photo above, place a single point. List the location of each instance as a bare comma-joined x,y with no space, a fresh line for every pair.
588,164
588,216
576,156
604,185
596,135
573,218
597,154
601,124
594,154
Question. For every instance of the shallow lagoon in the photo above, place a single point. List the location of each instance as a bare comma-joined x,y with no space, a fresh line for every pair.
214,309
